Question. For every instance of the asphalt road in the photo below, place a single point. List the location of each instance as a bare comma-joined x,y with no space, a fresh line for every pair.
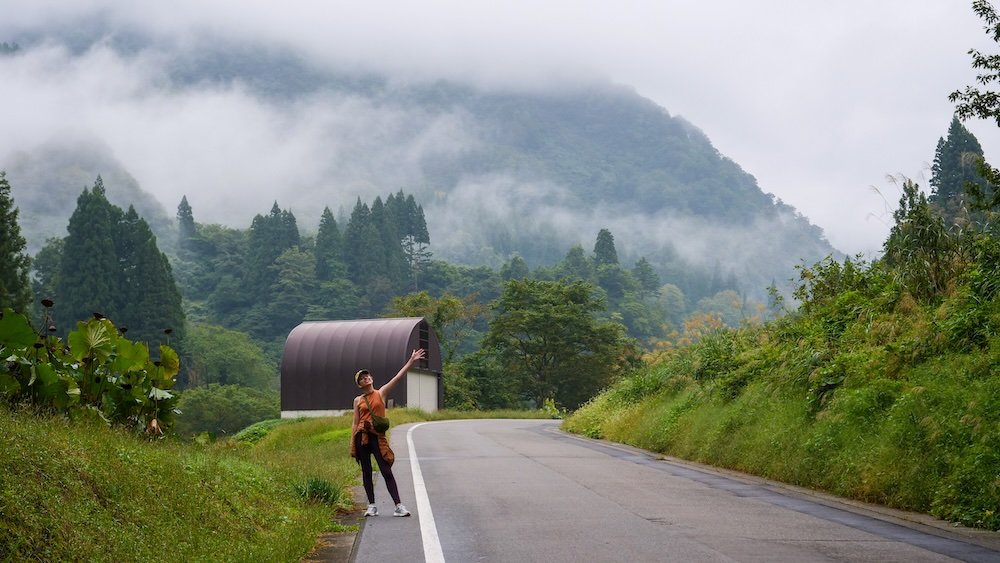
523,491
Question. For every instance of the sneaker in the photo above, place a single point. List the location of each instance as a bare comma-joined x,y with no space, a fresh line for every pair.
400,511
372,510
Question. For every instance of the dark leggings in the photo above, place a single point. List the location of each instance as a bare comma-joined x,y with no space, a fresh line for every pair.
365,453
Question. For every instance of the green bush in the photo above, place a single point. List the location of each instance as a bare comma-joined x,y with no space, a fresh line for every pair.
79,491
96,373
224,409
867,391
320,490
257,431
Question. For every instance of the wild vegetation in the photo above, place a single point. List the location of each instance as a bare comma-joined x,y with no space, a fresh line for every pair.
77,491
879,383
95,373
883,385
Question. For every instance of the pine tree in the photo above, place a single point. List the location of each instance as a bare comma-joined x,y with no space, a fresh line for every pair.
604,249
269,236
418,225
186,231
15,289
363,251
149,301
956,164
415,238
294,290
129,287
395,210
646,277
395,265
89,267
329,251
576,265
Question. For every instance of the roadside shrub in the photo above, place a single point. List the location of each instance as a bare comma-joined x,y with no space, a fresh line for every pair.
224,409
715,355
257,431
971,494
316,489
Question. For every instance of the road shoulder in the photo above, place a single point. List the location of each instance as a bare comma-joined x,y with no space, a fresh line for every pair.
913,520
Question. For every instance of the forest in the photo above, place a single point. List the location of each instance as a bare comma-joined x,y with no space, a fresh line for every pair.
225,299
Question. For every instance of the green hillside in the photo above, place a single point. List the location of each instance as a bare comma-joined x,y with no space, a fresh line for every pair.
883,386
78,491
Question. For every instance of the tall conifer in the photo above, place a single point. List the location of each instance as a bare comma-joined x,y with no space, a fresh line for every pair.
329,250
150,300
363,250
89,268
390,226
15,289
269,236
185,224
956,164
604,249
646,276
576,265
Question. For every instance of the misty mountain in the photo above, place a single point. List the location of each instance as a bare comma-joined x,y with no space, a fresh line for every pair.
498,172
47,181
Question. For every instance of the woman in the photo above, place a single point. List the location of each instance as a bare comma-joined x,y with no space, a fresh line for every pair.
366,441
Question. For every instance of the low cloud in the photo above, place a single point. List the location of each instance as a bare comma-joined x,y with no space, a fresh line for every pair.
229,151
818,101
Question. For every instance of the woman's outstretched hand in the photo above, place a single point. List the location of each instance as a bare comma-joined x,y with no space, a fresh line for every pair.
418,354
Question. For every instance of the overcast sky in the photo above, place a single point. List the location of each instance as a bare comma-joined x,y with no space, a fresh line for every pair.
820,101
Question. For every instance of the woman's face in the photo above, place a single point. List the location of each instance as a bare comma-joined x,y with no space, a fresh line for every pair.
365,380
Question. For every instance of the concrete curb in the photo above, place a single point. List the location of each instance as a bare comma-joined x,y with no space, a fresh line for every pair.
340,547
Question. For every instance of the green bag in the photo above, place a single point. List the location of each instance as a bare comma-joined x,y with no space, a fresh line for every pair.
380,423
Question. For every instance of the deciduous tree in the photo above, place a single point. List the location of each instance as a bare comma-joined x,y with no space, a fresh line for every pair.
452,318
546,335
983,103
219,355
956,165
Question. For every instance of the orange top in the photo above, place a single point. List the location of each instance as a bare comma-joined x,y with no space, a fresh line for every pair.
375,398
367,429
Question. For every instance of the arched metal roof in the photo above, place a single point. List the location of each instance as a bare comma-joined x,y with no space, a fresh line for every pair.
321,357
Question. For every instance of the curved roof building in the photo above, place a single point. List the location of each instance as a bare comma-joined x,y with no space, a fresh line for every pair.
320,359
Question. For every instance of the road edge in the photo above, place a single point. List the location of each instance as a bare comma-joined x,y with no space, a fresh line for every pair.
914,520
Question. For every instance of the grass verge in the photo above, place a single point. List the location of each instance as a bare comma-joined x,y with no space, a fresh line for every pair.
78,491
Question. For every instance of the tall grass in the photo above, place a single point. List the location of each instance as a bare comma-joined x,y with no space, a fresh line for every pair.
82,492
927,439
79,491
884,385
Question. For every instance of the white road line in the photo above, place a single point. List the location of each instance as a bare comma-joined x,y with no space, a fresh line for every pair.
428,530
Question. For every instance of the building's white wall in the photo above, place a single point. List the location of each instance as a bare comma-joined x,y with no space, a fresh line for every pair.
422,391
310,414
